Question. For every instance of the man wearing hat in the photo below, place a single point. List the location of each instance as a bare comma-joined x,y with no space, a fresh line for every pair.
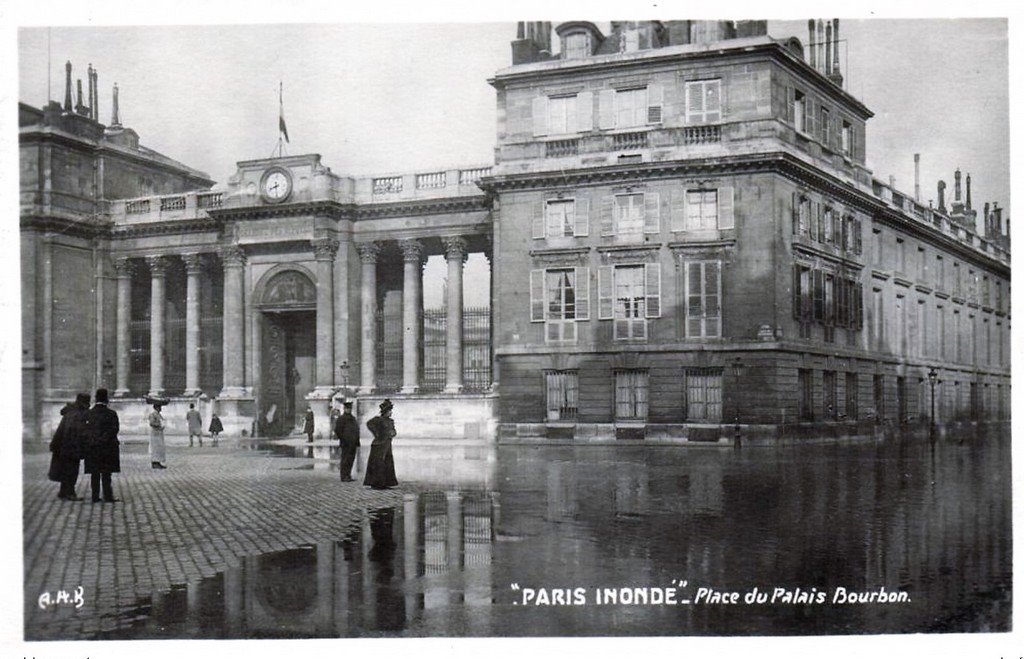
67,446
347,431
103,453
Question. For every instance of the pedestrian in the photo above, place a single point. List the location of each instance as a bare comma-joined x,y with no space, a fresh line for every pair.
380,467
195,424
157,448
216,427
335,414
347,431
67,445
103,453
308,426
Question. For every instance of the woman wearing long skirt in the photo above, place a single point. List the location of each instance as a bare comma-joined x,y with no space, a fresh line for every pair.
157,448
380,467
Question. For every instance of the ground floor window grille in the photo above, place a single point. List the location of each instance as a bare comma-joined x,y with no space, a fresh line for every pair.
631,395
562,394
704,394
829,394
805,406
851,395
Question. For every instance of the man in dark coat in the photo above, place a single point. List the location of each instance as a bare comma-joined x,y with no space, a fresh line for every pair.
103,453
347,430
67,446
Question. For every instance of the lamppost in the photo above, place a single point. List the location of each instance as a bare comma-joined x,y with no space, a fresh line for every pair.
933,377
737,368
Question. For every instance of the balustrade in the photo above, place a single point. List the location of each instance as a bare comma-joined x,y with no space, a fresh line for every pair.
431,180
387,185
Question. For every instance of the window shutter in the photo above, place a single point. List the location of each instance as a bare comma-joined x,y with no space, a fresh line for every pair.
537,296
857,245
540,115
790,105
725,208
837,227
814,222
652,212
858,306
796,291
796,213
585,112
694,102
818,290
811,117
539,219
605,282
608,216
582,225
582,293
655,103
606,109
652,289
678,209
714,104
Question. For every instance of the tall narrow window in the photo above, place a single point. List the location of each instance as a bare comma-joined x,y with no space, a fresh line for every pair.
704,395
630,298
631,395
562,394
560,218
701,209
828,400
577,45
957,283
877,234
827,226
559,297
631,107
800,111
629,214
940,273
847,139
826,127
562,115
901,255
704,101
851,395
703,288
922,265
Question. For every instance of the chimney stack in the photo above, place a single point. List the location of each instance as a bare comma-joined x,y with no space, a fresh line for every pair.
892,182
942,196
828,49
92,90
988,221
997,212
94,102
67,87
968,192
79,107
917,177
115,120
811,43
821,45
837,76
956,185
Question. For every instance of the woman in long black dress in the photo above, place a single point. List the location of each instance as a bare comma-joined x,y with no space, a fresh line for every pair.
380,467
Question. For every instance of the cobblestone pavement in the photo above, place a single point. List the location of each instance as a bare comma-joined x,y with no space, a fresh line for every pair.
209,509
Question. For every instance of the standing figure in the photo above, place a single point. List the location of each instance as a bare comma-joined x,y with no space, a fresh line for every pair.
67,445
157,448
308,426
195,424
347,430
380,467
103,453
216,427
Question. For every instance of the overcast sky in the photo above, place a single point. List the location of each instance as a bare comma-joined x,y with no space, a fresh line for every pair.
374,98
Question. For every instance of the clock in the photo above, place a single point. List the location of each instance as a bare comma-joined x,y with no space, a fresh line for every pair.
276,185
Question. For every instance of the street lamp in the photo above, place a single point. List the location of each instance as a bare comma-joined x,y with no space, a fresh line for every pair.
933,377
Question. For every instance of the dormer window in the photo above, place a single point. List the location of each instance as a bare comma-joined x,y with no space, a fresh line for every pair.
629,41
577,45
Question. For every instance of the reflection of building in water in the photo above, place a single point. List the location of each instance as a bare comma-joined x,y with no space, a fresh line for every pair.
392,573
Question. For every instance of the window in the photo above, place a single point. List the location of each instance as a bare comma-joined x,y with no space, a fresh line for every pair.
562,115
560,218
562,394
805,411
629,40
628,108
800,111
631,107
900,314
559,297
703,394
847,139
577,45
878,246
957,284
802,292
901,255
827,235
802,216
826,126
985,300
629,295
703,101
828,400
851,395
999,296
940,273
922,329
631,395
701,209
703,288
922,265
629,213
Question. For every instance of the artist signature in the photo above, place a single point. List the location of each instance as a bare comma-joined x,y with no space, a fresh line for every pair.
62,598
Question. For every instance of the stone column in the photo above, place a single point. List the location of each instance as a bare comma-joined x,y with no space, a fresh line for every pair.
412,255
234,282
368,254
324,249
492,266
157,278
193,269
125,269
455,254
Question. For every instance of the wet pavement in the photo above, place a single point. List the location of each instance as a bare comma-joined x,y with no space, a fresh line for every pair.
534,541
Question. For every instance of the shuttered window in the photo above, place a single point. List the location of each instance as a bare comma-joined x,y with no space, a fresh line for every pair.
559,297
703,286
631,395
628,295
562,395
563,115
703,395
703,101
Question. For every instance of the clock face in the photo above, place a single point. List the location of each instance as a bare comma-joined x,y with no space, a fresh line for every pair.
277,185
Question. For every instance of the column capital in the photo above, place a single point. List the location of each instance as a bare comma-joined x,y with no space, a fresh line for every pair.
193,263
124,266
232,255
368,252
324,249
157,265
455,248
412,250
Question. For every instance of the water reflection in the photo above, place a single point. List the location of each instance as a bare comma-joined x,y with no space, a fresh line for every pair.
930,519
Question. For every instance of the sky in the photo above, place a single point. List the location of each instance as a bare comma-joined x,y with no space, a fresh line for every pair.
378,98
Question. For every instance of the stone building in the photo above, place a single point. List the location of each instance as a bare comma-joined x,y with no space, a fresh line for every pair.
681,233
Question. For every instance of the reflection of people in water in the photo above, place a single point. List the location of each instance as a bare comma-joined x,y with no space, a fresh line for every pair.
390,598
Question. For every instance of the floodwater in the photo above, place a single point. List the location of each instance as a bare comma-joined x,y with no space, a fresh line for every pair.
592,541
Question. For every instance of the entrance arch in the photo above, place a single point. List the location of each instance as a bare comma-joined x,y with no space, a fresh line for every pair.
286,298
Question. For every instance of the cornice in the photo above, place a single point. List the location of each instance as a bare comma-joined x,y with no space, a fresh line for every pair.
68,227
438,206
331,209
168,228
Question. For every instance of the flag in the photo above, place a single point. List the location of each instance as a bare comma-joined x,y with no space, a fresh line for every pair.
281,127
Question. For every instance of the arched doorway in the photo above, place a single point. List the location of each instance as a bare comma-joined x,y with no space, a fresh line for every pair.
287,351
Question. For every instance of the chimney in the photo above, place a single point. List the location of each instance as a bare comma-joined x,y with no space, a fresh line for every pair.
956,185
811,43
79,107
917,177
92,90
94,102
997,212
67,87
942,196
892,182
821,45
115,120
837,76
988,222
828,49
968,192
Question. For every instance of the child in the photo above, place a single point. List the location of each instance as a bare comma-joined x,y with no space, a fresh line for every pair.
216,428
